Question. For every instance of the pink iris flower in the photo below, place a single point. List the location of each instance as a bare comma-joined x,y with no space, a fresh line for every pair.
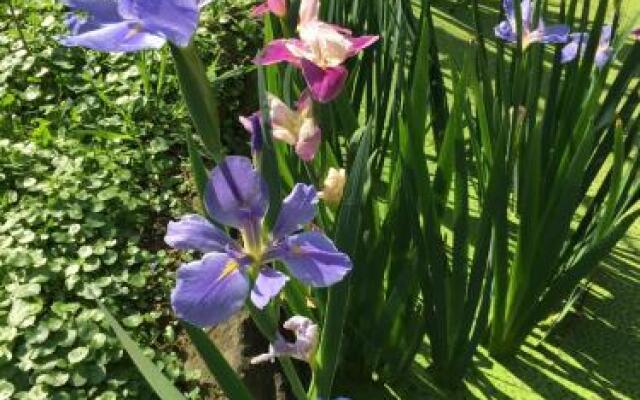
277,7
296,127
320,52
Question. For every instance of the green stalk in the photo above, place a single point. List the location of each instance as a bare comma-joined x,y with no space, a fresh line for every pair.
346,238
200,98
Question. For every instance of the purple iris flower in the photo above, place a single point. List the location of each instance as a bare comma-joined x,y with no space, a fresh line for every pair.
578,41
507,30
210,290
131,25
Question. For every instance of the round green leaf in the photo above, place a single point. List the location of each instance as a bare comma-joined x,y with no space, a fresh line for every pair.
78,354
6,390
85,252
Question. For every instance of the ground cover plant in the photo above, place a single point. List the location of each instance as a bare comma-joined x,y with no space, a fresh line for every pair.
90,173
389,202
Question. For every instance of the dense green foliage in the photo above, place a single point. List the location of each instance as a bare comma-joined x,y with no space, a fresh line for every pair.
74,221
90,172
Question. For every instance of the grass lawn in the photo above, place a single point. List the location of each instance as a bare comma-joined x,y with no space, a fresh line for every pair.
595,351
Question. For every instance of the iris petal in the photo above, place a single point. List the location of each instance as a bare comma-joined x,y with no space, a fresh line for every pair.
267,286
312,258
176,20
125,36
555,34
104,11
298,208
360,43
279,51
325,84
194,232
208,291
236,194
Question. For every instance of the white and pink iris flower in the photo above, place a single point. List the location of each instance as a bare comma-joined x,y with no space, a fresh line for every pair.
295,127
320,52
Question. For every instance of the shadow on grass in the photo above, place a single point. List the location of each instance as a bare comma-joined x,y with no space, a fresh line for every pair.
593,354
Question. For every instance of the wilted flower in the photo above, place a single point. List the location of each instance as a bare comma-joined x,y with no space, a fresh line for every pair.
253,125
303,348
131,25
296,128
210,290
578,41
320,52
507,30
277,7
333,186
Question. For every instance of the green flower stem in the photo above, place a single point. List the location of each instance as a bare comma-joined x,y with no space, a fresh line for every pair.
200,98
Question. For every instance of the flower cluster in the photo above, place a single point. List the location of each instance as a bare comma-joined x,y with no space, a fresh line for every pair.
250,263
507,30
575,42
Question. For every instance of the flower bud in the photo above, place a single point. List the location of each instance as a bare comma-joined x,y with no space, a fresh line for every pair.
333,186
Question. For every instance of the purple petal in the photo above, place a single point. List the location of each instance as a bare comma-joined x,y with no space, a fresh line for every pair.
253,125
636,34
525,7
278,51
577,41
194,232
267,286
603,56
209,291
569,52
509,11
236,194
325,84
555,34
312,258
176,20
102,11
605,35
505,32
360,43
299,208
125,36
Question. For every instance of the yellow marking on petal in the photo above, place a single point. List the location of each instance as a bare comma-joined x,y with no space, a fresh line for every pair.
231,267
297,250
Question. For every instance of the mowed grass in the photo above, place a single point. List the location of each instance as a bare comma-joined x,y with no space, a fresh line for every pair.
595,352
